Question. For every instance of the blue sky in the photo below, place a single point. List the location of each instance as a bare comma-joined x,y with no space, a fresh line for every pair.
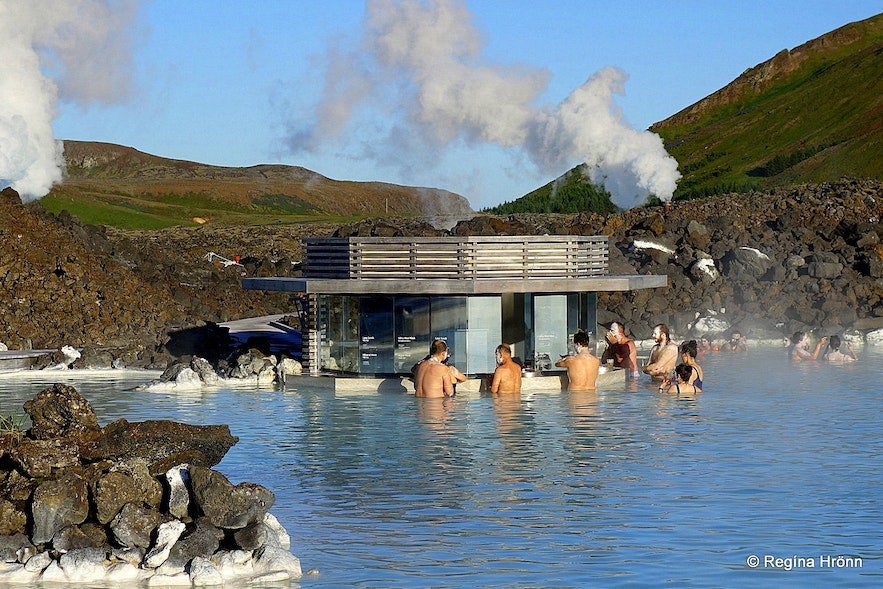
241,83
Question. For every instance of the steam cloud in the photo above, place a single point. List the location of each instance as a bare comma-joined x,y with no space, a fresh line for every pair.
429,56
76,50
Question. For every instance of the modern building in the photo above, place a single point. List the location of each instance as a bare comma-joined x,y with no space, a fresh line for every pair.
373,305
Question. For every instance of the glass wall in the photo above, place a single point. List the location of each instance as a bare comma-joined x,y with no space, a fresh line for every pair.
550,321
386,335
411,314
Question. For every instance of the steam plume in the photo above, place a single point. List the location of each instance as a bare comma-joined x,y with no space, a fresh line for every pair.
50,49
428,55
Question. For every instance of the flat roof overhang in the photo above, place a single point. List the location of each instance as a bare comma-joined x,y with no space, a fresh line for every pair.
455,287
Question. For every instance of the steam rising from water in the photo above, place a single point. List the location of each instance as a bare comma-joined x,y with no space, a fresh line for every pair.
424,60
76,50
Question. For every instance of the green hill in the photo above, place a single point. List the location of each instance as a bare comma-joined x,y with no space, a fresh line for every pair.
812,114
107,184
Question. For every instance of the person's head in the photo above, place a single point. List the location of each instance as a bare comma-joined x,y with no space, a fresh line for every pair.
503,352
616,331
736,336
439,349
799,337
660,333
689,348
581,339
834,342
683,371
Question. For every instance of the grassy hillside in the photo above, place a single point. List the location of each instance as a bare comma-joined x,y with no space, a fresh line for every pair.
120,186
809,115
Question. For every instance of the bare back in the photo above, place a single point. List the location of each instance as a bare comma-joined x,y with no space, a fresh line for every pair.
507,378
433,379
582,371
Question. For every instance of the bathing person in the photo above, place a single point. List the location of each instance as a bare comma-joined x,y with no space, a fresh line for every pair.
680,385
621,349
507,375
799,350
432,378
663,356
582,368
835,356
736,343
688,357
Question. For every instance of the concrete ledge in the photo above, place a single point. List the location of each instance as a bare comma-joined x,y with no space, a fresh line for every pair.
348,385
20,359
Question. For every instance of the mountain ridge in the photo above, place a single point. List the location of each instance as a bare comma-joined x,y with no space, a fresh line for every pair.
111,184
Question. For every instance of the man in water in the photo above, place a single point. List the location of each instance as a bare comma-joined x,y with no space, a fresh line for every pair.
736,343
432,378
663,356
507,376
621,349
582,368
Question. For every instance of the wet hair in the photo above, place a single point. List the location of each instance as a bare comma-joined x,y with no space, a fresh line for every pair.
438,346
798,335
683,371
664,329
834,342
581,338
504,348
689,348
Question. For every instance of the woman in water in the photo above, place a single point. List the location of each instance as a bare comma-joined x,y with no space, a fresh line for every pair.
835,356
799,350
688,357
680,386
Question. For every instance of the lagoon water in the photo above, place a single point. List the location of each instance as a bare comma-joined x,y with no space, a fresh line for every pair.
618,488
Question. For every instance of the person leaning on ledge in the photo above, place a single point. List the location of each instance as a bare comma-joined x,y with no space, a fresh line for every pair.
582,368
507,375
432,377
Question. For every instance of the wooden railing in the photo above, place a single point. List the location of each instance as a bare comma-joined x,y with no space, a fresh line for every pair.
457,258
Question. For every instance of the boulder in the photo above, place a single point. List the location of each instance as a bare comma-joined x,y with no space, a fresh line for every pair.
748,261
134,524
204,540
166,536
157,440
12,519
13,544
87,535
227,506
129,483
203,573
177,479
58,504
252,536
40,459
61,412
83,565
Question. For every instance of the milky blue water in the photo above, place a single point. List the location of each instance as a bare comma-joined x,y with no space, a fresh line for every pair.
614,489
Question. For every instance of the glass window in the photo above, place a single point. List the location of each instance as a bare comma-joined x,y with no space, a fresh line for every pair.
551,336
483,335
339,325
411,331
376,335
